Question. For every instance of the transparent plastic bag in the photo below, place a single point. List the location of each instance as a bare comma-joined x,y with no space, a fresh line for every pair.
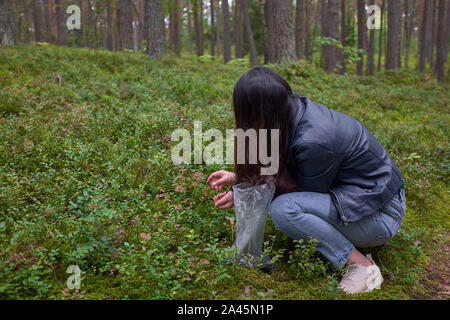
251,205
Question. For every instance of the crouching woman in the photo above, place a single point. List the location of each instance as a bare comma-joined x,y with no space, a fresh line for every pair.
335,183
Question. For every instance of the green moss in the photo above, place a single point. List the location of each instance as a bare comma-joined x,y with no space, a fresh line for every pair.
84,151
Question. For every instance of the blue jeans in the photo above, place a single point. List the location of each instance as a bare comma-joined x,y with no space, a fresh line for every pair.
305,215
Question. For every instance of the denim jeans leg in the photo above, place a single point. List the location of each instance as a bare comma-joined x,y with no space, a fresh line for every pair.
300,215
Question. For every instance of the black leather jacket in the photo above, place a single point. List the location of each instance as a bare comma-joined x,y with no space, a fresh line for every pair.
331,152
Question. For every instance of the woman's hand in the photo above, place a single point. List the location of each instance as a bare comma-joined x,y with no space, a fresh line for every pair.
224,200
222,178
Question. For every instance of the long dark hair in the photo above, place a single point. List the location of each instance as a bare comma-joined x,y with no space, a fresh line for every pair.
262,99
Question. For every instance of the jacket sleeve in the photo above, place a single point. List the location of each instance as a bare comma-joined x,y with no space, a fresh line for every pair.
317,166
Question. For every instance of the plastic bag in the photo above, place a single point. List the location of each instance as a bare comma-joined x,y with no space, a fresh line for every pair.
251,204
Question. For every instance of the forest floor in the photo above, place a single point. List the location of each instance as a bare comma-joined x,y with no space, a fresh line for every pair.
86,178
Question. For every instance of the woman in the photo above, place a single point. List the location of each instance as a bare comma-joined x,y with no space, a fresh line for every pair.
336,183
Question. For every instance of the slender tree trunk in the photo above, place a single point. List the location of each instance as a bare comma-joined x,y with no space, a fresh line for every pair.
238,30
198,28
125,16
178,26
60,23
266,43
362,34
332,31
202,32
343,35
380,49
394,34
434,32
441,42
109,29
447,32
7,31
189,24
371,49
82,25
410,12
219,42
430,36
175,11
316,21
37,15
423,34
251,42
299,27
400,32
17,7
138,13
47,15
308,46
284,42
323,27
226,31
213,28
154,23
92,26
269,13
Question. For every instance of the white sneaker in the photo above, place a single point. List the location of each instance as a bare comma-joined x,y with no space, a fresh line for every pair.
359,278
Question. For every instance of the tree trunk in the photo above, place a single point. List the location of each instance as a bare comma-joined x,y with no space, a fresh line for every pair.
424,8
189,24
431,32
251,42
109,29
343,35
399,55
299,27
48,25
125,16
394,34
270,30
92,26
37,17
362,34
61,34
447,32
198,28
238,30
266,43
441,43
316,24
219,42
154,23
410,13
332,31
371,49
380,49
213,28
7,31
308,48
175,12
283,26
226,31
323,27
138,11
178,26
